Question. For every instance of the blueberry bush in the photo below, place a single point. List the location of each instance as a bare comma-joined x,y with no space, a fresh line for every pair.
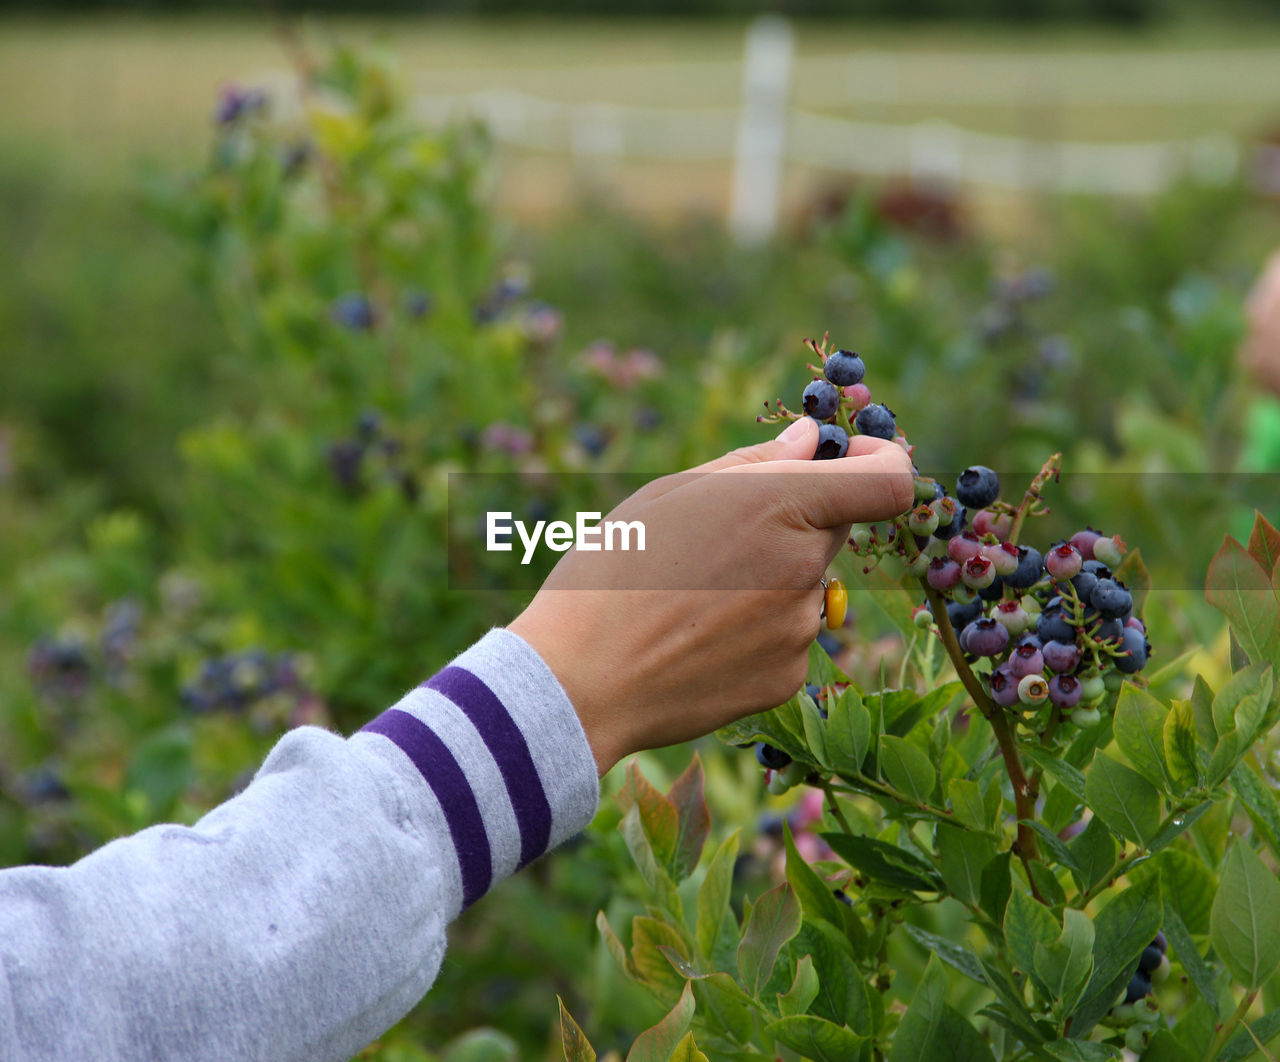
224,459
1021,852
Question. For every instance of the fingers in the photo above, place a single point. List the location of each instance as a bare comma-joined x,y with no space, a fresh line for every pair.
875,483
796,443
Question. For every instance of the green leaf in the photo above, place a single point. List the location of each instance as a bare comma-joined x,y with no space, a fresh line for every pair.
815,729
1139,731
1123,799
613,945
957,955
803,990
1178,825
1188,886
908,769
1242,1045
1202,709
932,1030
1053,844
1241,703
724,1002
816,897
1059,770
715,921
657,814
1027,922
1164,1048
816,1038
162,767
657,1043
1260,801
997,884
1238,587
773,921
964,856
842,992
1180,752
1244,925
481,1045
1080,1051
965,797
1230,749
1201,973
651,870
1063,968
1122,929
687,1051
1094,849
848,733
572,1039
693,820
885,862
649,937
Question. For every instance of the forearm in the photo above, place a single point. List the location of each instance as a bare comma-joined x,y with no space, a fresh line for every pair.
304,917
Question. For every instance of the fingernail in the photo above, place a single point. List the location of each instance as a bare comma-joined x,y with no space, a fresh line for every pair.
794,430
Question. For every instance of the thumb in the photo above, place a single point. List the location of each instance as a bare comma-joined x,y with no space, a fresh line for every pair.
797,443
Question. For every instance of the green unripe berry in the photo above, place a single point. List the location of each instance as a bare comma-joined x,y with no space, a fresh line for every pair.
790,776
860,538
923,520
1033,690
1086,718
1161,973
1113,680
1147,1010
917,567
1108,551
1138,1038
963,595
1092,688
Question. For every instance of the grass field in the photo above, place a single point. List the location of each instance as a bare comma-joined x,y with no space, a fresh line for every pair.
88,98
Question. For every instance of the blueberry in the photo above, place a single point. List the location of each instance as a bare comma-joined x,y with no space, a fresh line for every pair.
1063,561
1026,659
345,457
1004,687
1137,648
1064,691
1029,571
1161,942
1061,657
1102,629
977,487
962,615
1096,568
943,573
833,443
1083,583
1053,625
845,368
985,637
591,438
1151,957
1084,540
821,400
955,525
1139,988
417,304
368,425
1110,598
773,758
877,421
994,592
352,310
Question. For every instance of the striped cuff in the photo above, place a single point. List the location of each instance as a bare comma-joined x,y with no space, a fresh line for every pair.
507,769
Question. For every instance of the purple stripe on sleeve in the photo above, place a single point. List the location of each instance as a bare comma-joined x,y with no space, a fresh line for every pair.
507,744
441,772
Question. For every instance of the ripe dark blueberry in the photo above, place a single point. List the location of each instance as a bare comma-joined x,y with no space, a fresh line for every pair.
773,758
1053,626
1026,659
833,443
1029,571
352,310
845,368
1004,687
1061,657
1137,650
1139,988
1096,568
591,438
1161,942
1111,599
877,421
947,531
1151,957
345,457
417,304
977,487
1104,630
1083,584
994,592
821,400
1064,691
961,615
1028,639
985,637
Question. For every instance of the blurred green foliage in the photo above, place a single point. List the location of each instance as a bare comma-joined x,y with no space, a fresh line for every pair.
225,442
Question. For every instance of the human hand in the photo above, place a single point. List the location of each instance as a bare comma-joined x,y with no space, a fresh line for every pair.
1260,352
714,619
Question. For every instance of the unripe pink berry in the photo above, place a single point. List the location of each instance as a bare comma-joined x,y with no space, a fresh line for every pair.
943,574
1003,556
963,546
1012,617
1064,561
978,573
859,396
1110,551
986,522
1084,540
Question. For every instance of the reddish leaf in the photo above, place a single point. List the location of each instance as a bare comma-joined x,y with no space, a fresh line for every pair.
1239,588
693,819
658,1043
572,1039
773,921
658,815
1264,543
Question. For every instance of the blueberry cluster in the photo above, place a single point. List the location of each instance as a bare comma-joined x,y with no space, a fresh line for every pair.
1137,1011
349,458
64,667
236,681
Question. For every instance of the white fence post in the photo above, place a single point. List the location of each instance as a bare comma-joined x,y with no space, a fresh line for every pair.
758,158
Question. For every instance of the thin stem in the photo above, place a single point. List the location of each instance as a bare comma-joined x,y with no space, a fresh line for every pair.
834,807
1224,1031
1049,470
1023,799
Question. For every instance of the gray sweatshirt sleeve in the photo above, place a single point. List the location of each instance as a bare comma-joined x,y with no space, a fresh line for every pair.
304,917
